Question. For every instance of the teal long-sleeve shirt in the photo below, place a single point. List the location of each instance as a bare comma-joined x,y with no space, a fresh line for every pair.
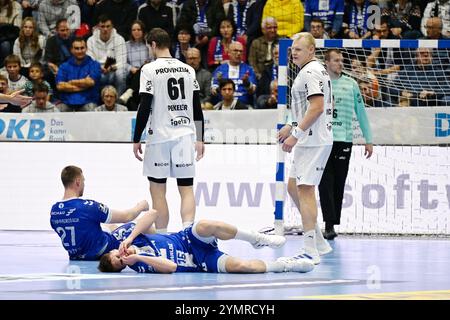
347,98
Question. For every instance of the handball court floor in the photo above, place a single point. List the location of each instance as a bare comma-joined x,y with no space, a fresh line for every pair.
35,267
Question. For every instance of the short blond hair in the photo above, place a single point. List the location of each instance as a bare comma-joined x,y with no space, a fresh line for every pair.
308,36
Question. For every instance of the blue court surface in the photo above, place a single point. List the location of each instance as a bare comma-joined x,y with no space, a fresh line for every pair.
35,267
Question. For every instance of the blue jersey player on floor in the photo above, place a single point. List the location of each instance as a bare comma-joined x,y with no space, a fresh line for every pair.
77,221
194,249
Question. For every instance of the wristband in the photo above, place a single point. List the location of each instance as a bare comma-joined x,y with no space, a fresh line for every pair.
298,132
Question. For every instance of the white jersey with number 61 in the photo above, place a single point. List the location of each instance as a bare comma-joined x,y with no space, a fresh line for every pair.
172,84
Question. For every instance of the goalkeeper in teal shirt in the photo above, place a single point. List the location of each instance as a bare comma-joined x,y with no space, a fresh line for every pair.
347,99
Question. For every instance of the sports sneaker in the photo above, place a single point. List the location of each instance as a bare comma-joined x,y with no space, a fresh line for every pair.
296,264
314,257
268,240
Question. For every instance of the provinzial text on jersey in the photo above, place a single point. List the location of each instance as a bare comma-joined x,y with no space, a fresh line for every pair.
171,70
177,107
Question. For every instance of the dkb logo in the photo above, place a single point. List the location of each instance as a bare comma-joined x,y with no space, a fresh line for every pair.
442,124
15,129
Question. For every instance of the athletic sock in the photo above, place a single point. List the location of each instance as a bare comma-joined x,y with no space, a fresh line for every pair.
319,235
249,236
310,240
274,266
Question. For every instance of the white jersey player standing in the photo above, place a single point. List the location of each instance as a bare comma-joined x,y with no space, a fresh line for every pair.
311,135
170,107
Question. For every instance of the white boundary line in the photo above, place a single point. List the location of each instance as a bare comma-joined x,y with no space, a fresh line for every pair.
208,287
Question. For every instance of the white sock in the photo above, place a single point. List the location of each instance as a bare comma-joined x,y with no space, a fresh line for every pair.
187,224
274,266
310,240
319,235
249,236
162,231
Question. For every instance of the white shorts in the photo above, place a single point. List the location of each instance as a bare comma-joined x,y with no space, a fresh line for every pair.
175,158
308,164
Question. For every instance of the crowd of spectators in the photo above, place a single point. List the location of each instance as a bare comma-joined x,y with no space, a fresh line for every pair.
85,55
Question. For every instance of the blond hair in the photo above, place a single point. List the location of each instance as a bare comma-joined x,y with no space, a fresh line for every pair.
308,37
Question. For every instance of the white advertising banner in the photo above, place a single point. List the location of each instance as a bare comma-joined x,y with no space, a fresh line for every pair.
390,126
403,190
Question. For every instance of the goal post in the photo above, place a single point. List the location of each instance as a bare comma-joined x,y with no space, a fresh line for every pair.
390,74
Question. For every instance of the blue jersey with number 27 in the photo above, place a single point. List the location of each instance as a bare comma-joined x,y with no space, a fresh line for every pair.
77,223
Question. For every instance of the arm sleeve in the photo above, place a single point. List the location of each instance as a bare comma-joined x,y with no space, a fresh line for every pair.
142,115
198,117
361,114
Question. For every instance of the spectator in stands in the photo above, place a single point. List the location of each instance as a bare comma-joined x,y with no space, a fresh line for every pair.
10,12
425,83
137,52
122,13
331,12
108,48
254,20
50,11
241,73
356,16
40,101
10,22
433,29
269,74
36,76
261,49
437,8
30,45
288,24
369,94
109,98
317,29
184,40
434,32
203,77
269,101
78,80
57,47
227,90
359,71
29,8
385,62
175,6
405,17
16,81
237,12
87,9
4,90
205,16
156,14
219,46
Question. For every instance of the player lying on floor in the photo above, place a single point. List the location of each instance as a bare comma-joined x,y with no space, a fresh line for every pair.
194,249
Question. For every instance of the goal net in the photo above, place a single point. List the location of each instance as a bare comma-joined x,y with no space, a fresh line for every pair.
391,74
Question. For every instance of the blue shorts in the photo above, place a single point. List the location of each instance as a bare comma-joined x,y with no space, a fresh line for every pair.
122,232
205,251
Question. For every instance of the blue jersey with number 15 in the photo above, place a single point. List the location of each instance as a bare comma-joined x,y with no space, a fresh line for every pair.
77,223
